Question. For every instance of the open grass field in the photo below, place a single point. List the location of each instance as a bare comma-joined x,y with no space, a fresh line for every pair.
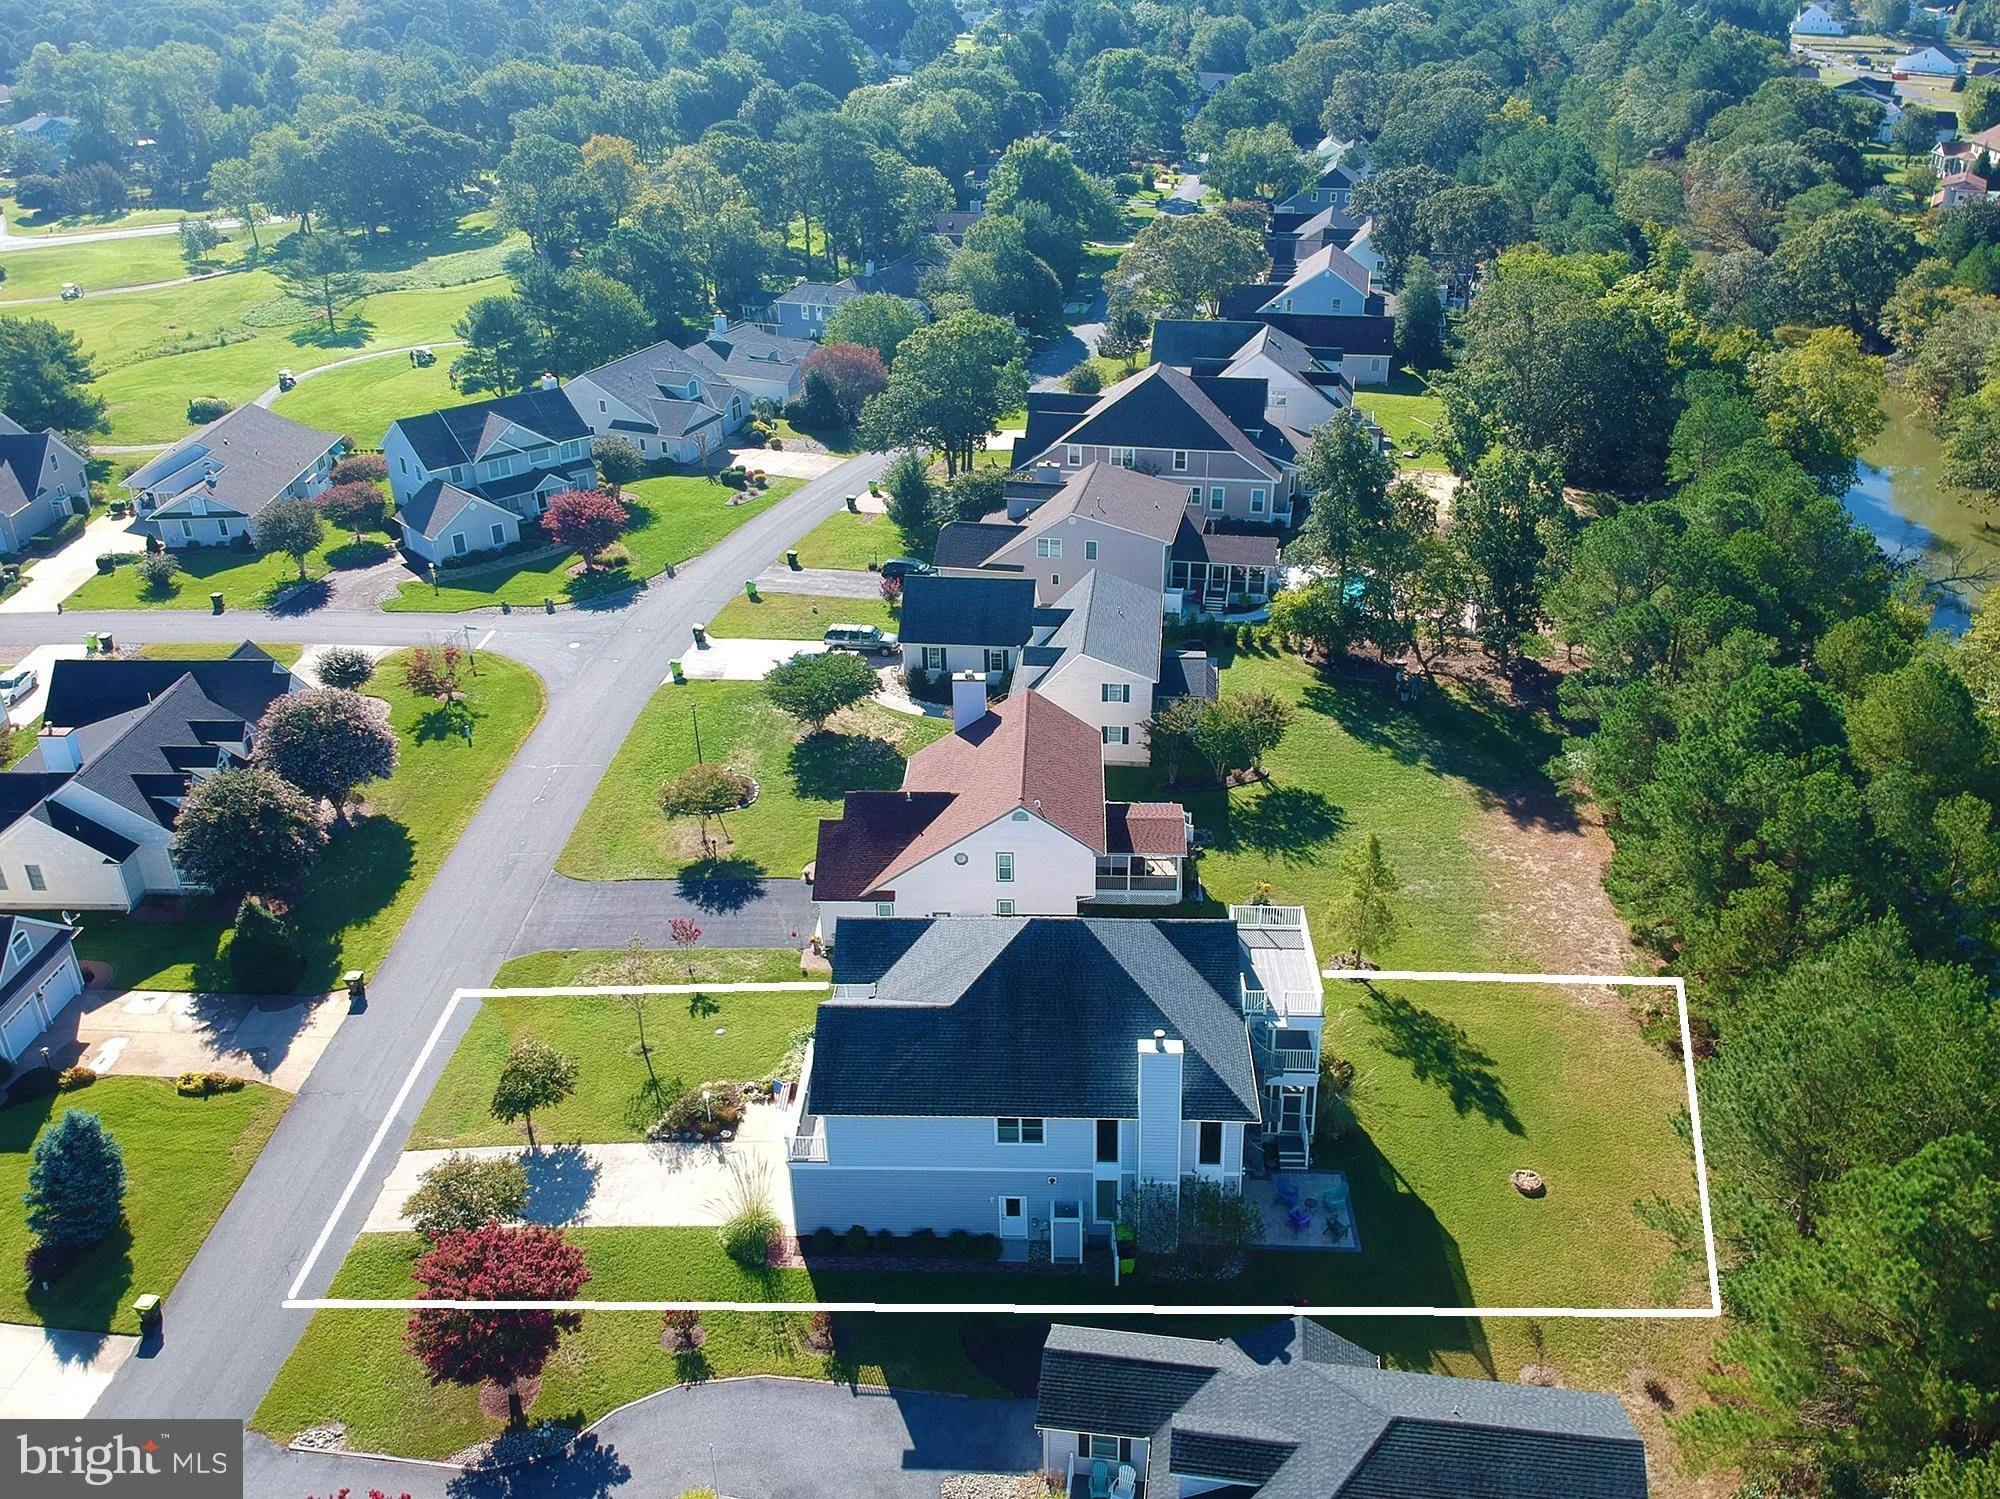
245,579
184,1159
1410,416
674,517
623,835
361,400
796,616
22,221
845,539
105,267
694,1039
360,893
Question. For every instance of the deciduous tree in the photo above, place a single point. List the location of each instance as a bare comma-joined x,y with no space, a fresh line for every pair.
534,1076
326,741
245,830
587,519
814,688
494,1263
292,528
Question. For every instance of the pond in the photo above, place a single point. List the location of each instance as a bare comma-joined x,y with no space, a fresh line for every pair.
1901,500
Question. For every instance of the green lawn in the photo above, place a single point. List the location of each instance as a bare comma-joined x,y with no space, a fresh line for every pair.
618,965
623,836
245,579
796,616
674,517
358,896
184,1159
216,650
116,263
1410,416
695,1039
836,440
845,539
23,221
361,400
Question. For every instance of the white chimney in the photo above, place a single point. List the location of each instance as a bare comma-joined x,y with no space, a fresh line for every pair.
978,205
867,267
1160,1069
721,323
548,381
968,699
61,749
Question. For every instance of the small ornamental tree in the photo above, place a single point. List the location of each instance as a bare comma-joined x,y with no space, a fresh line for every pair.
1365,908
892,590
702,792
433,671
76,1182
290,528
157,571
346,666
246,830
685,934
814,688
618,462
1172,736
325,741
353,507
360,468
264,953
494,1263
466,1191
853,373
587,519
1084,379
533,1077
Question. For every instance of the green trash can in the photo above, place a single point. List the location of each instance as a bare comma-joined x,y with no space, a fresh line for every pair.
680,677
750,589
147,1307
215,603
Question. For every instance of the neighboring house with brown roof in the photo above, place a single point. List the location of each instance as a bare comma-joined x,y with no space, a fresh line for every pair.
206,490
1005,815
42,483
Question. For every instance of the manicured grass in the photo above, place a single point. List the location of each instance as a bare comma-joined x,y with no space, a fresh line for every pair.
847,540
245,579
216,650
21,738
674,517
622,834
1410,416
796,616
694,1039
184,1159
623,965
361,400
836,440
22,221
105,267
360,893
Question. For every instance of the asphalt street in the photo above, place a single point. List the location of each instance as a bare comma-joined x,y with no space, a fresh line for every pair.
226,1334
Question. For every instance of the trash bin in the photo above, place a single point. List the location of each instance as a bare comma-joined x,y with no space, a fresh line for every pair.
356,982
215,603
750,589
505,607
548,606
147,1308
792,559
679,675
701,637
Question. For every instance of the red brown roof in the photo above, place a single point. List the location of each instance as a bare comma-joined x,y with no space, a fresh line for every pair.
1155,829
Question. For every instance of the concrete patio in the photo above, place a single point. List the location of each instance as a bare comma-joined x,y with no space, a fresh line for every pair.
624,1186
743,660
1323,1197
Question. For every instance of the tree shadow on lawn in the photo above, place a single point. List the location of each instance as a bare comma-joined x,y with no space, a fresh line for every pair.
1283,822
589,1468
364,868
350,332
1493,746
452,720
88,1295
827,765
288,597
1440,1052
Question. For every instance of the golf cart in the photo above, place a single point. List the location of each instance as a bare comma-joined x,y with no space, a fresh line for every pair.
422,358
286,380
71,291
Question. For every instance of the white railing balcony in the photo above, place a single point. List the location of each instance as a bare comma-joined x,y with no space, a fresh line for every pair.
1276,916
809,1144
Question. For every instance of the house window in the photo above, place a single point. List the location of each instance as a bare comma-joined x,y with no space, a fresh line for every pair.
499,535
1003,868
600,406
996,661
1124,457
24,947
1019,814
735,408
933,658
458,543
1003,908
1105,1209
1278,399
885,908
1112,1449
1194,494
1217,497
1256,502
1208,1148
1090,551
1180,460
1074,457
35,880
1117,734
1019,1131
1115,692
1048,546
1107,1140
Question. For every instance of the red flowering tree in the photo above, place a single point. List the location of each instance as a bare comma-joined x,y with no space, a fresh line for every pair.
587,519
494,1263
353,507
685,934
853,373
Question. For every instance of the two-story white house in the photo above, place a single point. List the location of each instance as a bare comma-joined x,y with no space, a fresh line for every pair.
466,478
680,405
1023,1076
1006,815
87,817
43,481
1208,434
209,488
39,976
1101,661
1327,283
1816,20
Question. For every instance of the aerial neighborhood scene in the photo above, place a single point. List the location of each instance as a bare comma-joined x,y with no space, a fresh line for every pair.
1000,749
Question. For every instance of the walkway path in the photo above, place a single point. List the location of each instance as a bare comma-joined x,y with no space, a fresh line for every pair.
33,241
54,578
592,914
227,1334
113,291
271,393
48,1373
744,1436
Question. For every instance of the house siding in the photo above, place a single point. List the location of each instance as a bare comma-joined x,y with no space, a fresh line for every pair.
77,877
1052,872
1124,554
51,992
1210,468
1077,685
960,658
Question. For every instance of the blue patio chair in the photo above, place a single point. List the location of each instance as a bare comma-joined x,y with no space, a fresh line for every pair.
1300,1219
1287,1190
1100,1479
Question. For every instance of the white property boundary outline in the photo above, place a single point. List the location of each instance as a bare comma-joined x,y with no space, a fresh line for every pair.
293,1301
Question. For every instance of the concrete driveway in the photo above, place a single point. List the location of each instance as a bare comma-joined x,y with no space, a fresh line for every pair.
42,658
55,578
601,914
786,463
49,1374
832,582
161,1033
744,660
762,1438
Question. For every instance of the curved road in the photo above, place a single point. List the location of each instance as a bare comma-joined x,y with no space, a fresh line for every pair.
227,1336
744,1436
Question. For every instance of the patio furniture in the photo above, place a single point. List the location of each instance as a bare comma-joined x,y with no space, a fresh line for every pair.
1100,1479
1300,1220
1127,1484
1286,1189
1336,1228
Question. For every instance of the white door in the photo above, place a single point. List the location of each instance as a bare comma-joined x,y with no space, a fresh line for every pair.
19,1030
1013,1218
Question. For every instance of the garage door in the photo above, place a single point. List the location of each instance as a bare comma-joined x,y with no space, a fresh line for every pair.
20,1029
55,995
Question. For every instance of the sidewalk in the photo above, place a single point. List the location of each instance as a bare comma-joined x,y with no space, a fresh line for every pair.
54,579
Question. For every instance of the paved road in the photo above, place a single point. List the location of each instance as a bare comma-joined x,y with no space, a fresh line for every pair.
1190,188
747,1437
33,241
610,913
111,291
271,393
1048,364
227,1336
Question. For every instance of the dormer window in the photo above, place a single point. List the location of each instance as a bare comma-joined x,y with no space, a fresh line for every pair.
23,947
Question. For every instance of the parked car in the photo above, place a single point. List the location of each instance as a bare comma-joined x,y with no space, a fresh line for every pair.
16,683
906,567
867,640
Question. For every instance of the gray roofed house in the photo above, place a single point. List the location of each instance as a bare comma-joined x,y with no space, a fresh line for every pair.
43,481
1303,386
86,818
1292,1410
801,312
944,610
208,488
1106,621
39,977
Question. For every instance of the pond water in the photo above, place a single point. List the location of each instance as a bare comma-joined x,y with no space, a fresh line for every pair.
1900,499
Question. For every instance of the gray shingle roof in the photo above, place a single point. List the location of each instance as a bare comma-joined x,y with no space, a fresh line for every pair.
1301,1413
24,458
435,506
968,543
1113,620
461,434
964,1009
241,461
947,610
